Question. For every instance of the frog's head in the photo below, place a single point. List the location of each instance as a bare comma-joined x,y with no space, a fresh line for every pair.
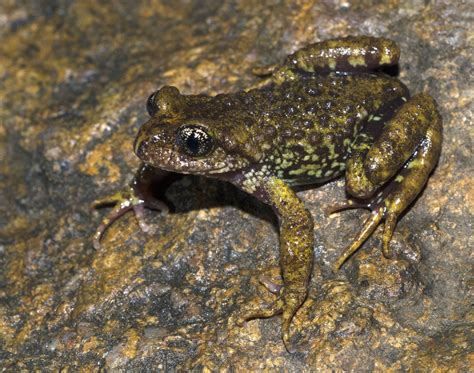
185,135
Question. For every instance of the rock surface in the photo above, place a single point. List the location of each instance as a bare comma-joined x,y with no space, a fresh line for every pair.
74,79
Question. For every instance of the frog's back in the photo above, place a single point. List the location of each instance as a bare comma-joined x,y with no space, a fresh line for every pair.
310,123
326,104
300,130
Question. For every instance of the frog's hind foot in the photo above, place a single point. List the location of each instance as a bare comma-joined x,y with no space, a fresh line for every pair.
259,309
123,201
387,205
349,204
406,175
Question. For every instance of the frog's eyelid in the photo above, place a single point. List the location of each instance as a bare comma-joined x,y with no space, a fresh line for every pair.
150,104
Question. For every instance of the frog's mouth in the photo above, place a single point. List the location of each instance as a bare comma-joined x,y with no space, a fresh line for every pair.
174,161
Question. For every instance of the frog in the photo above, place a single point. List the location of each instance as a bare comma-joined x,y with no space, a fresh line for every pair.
329,109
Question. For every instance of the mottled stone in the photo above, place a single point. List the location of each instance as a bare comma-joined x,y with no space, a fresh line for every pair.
74,79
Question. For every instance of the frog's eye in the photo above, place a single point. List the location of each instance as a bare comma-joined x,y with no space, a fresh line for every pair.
151,105
195,141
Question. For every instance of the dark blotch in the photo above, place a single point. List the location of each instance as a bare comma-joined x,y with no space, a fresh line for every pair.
297,123
347,108
288,110
248,100
248,123
350,121
291,110
315,139
312,91
298,134
287,133
308,123
270,131
323,120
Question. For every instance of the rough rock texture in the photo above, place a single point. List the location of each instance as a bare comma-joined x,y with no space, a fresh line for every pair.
74,77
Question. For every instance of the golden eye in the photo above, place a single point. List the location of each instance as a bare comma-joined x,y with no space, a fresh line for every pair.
195,141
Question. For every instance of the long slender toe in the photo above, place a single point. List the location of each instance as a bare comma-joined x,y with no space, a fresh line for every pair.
271,286
285,329
389,228
116,212
369,226
257,309
125,200
350,204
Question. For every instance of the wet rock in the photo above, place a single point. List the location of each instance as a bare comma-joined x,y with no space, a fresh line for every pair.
74,81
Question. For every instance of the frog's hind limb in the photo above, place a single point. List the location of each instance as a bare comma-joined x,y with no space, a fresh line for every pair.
136,197
296,255
404,155
347,55
351,54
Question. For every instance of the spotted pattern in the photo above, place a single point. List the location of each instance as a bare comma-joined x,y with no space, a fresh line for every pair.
311,138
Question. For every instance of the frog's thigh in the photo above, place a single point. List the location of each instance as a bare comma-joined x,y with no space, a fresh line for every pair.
296,247
349,54
397,143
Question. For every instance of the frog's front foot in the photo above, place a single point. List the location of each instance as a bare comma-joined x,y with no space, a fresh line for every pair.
287,301
259,308
136,197
123,201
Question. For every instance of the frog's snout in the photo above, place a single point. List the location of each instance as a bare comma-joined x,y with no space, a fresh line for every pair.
145,147
142,141
154,143
138,144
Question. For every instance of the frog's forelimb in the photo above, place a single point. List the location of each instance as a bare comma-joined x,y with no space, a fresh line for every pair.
296,251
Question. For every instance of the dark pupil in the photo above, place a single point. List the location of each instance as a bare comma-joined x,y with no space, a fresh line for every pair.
192,143
195,141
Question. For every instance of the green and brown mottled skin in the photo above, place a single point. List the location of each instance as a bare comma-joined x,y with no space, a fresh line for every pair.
327,110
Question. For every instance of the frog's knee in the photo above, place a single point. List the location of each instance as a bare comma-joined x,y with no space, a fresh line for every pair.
400,138
357,182
378,171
